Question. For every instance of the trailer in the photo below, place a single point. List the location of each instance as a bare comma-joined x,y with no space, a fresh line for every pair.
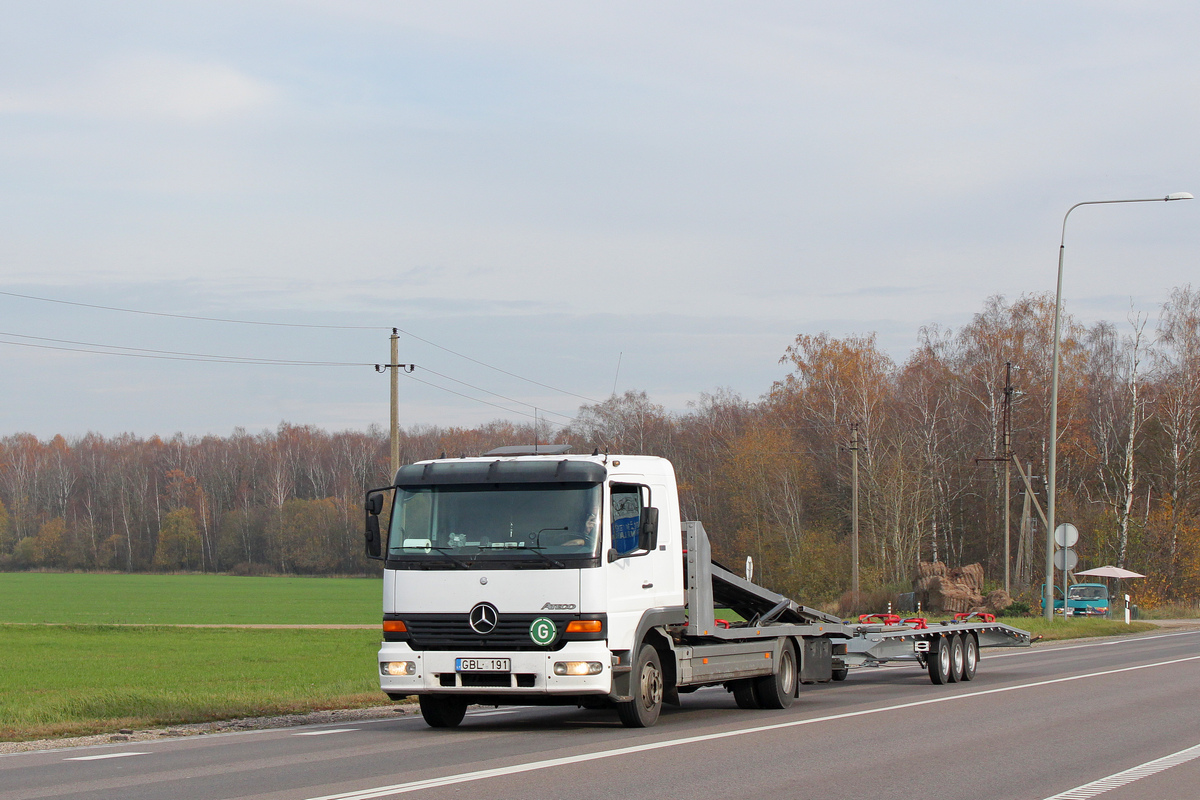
534,577
948,650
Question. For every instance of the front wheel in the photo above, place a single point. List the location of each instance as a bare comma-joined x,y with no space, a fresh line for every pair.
642,710
442,712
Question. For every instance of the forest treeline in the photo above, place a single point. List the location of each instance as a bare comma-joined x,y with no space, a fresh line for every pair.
769,477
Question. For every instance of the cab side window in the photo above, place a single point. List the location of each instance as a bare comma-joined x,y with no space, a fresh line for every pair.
628,500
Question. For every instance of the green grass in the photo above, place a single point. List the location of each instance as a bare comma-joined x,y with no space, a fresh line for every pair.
1172,611
47,597
1075,628
73,680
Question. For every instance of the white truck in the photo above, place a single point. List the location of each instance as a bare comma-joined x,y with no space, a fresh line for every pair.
531,576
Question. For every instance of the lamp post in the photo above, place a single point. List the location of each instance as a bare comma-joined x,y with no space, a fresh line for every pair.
1048,589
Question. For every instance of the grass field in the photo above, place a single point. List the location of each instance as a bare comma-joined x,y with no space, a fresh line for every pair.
187,599
71,680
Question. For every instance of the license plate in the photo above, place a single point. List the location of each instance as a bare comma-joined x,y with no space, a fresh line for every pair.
482,665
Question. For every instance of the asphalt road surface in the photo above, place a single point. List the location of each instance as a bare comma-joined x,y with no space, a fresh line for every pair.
1115,719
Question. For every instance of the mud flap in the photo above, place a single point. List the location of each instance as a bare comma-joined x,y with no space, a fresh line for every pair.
816,660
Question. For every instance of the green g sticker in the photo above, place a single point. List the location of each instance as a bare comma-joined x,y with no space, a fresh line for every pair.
542,631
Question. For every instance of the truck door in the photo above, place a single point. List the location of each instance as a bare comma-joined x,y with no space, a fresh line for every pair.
630,577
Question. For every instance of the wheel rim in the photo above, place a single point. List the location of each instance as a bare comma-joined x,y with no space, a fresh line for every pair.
972,655
944,658
651,687
957,653
787,673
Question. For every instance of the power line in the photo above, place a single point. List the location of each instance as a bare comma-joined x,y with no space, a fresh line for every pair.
190,316
300,325
174,355
498,369
170,355
487,403
494,394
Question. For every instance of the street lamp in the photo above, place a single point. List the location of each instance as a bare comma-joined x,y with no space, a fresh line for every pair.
1048,589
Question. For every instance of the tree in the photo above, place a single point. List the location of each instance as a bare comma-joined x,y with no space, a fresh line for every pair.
178,542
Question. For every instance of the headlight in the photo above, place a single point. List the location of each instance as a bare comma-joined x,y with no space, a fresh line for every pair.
398,667
578,668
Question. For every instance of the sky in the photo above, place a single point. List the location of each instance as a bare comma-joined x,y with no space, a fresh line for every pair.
555,201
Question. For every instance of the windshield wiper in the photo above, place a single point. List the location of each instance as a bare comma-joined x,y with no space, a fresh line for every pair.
537,551
445,551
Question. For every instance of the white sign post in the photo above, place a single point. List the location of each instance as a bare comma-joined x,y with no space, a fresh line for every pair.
1065,536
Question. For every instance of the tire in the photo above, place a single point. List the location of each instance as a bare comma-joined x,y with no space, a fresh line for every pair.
970,657
643,709
442,712
939,661
840,674
744,694
779,690
956,659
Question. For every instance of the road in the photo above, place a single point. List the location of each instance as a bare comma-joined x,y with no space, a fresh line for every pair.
1035,723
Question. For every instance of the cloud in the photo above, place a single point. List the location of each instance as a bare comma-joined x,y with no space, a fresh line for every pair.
146,87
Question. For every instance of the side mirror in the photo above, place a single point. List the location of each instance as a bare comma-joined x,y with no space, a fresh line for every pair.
374,505
648,534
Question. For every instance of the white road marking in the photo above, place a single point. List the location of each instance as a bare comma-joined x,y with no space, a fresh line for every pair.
105,755
1129,776
323,733
466,777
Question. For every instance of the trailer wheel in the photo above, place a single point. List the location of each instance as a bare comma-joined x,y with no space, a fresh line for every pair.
643,709
970,657
442,712
939,662
840,673
744,694
956,659
779,690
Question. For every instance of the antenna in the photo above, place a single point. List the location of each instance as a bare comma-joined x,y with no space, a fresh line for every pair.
618,373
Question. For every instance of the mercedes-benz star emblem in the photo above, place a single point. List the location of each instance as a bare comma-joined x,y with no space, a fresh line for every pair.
483,618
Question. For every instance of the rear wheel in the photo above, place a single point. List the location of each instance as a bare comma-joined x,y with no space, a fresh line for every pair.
642,710
442,712
956,659
744,694
840,673
939,661
970,657
779,690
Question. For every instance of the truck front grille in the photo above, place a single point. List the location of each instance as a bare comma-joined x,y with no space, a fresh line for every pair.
454,632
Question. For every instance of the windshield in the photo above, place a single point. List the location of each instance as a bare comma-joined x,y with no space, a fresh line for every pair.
530,524
1087,593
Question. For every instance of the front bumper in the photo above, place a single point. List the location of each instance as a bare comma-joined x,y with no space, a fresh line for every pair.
532,671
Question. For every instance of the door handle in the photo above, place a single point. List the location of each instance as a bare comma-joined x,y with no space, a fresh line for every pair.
647,585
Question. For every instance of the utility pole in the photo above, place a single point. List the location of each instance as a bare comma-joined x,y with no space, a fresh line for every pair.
395,416
1006,455
395,368
854,511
